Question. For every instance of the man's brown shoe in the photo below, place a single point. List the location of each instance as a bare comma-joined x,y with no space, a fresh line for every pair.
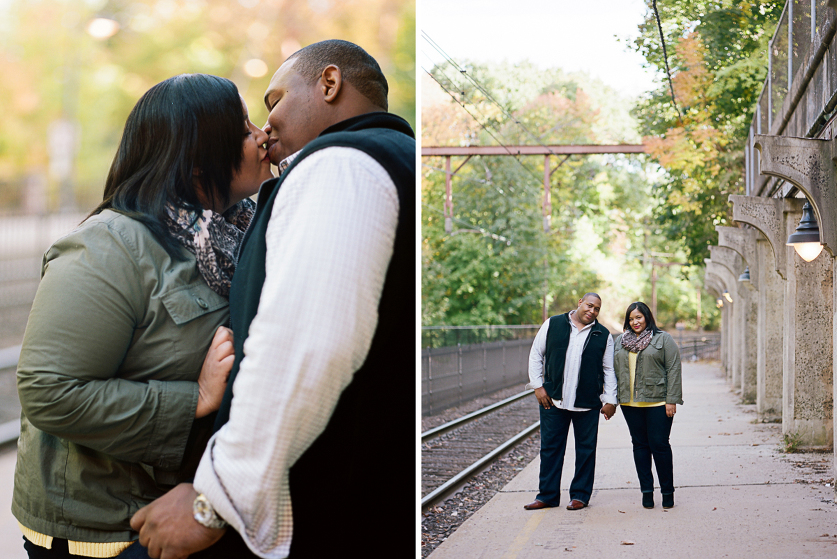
535,505
575,504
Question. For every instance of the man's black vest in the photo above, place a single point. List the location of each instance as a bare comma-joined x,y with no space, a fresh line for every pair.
368,442
591,372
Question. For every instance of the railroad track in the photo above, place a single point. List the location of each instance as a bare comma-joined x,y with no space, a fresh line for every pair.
453,453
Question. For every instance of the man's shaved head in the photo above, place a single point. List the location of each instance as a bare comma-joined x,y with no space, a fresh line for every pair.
357,67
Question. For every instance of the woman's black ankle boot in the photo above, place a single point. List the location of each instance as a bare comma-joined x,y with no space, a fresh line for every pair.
648,500
668,500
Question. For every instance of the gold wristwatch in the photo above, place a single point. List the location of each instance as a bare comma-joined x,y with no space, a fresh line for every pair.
204,513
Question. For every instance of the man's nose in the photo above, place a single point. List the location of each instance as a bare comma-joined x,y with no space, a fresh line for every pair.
267,128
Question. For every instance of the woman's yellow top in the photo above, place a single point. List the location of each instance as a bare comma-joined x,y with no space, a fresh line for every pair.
82,549
632,369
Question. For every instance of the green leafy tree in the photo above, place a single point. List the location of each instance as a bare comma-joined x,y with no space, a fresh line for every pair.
718,58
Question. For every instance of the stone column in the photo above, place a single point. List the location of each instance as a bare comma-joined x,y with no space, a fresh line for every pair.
713,284
771,329
743,242
809,165
732,319
742,309
771,216
808,359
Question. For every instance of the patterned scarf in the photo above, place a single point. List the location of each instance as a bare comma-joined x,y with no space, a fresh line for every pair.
634,343
213,238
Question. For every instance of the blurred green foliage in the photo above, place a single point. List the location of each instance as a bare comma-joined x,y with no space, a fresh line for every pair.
498,264
55,69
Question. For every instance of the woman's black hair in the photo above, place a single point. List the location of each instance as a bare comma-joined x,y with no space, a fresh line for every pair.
188,122
646,312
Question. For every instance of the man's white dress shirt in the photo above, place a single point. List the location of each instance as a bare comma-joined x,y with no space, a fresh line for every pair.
572,365
329,241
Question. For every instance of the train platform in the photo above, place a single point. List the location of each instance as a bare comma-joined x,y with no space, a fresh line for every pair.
737,494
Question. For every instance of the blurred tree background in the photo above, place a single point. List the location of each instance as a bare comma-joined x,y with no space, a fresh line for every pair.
73,70
498,264
717,51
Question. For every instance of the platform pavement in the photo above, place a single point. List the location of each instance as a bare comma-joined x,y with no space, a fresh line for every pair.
736,495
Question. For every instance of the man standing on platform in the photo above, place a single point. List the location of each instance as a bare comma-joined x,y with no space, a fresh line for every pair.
571,370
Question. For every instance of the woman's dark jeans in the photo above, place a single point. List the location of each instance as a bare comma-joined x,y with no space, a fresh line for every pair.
650,429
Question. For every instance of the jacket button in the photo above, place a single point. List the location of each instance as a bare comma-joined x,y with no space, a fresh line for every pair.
202,304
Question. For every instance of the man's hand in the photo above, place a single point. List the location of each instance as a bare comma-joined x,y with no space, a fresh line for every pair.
608,410
671,409
168,529
543,398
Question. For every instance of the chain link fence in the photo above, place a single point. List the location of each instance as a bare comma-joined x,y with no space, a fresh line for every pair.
460,363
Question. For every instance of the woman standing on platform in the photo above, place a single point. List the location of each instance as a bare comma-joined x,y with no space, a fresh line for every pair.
647,364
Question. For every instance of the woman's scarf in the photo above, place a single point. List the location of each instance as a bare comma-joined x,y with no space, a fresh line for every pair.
213,238
634,343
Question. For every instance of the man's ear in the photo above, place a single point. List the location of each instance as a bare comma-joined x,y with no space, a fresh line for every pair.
331,83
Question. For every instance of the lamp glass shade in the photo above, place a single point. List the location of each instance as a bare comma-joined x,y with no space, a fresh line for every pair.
806,239
808,251
746,275
727,296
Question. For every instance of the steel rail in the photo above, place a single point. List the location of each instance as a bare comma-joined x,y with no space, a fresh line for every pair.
462,477
436,431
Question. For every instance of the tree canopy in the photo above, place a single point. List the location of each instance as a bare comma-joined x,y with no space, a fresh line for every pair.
55,69
718,58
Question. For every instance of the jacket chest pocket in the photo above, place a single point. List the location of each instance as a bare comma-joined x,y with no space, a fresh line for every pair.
196,312
653,370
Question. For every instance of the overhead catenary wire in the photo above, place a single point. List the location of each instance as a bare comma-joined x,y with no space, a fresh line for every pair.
481,230
665,59
485,92
483,126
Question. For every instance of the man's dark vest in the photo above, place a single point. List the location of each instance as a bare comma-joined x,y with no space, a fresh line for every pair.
591,373
368,443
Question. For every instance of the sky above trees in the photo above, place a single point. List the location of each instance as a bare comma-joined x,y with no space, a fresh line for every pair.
593,36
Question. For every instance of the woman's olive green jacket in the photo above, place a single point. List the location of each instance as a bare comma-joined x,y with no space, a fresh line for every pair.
107,380
657,372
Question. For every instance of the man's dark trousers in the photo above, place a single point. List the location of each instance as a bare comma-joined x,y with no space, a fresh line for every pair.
555,426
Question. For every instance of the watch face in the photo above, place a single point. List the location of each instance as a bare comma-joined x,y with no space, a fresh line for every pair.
205,514
202,512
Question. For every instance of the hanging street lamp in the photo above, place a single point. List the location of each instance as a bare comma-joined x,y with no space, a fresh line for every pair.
806,239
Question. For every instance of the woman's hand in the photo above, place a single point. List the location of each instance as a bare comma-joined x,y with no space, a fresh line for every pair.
671,409
215,371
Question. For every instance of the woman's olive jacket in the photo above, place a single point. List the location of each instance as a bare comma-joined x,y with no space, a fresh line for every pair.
107,378
657,372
